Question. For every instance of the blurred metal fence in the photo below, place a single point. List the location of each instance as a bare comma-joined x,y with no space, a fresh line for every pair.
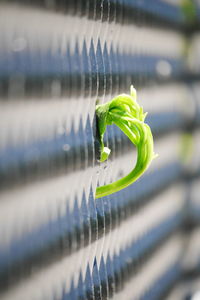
56,59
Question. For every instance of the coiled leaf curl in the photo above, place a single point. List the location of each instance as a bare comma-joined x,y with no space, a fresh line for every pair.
125,112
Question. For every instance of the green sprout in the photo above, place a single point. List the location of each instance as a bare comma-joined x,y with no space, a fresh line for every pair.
125,112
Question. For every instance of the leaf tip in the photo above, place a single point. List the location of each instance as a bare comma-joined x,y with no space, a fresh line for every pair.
133,92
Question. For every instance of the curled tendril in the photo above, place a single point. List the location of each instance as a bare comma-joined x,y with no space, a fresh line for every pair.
125,112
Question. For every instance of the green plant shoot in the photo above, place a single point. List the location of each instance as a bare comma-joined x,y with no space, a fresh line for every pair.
125,112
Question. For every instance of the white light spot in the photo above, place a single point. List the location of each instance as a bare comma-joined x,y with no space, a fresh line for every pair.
66,147
163,68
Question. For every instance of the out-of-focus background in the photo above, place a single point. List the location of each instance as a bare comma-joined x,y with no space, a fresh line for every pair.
56,241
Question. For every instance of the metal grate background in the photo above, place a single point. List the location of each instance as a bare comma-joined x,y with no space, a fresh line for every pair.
56,59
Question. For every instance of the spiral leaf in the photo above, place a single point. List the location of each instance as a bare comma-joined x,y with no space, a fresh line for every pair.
125,112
